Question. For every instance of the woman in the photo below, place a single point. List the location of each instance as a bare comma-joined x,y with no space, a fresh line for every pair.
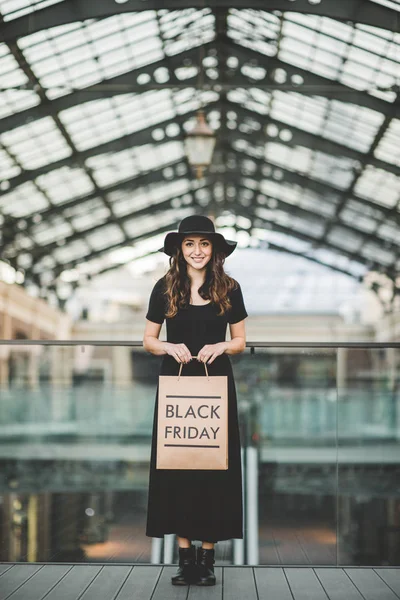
197,299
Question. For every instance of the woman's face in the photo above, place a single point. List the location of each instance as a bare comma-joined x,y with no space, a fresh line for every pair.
197,250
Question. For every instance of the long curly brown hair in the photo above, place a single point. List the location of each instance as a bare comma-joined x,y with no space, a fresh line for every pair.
216,286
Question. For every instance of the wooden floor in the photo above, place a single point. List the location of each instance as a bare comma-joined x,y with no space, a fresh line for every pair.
63,581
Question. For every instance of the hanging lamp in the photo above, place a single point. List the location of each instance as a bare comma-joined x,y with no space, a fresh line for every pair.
200,143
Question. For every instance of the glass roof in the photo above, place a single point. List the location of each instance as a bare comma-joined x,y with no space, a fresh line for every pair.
93,115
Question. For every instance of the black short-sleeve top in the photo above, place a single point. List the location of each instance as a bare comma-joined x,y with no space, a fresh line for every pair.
195,325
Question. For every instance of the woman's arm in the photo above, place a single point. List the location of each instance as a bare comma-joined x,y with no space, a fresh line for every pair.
151,343
237,343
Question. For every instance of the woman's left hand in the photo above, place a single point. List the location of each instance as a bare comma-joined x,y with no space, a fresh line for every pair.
211,351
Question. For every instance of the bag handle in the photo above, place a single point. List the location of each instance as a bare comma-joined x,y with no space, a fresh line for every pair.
205,366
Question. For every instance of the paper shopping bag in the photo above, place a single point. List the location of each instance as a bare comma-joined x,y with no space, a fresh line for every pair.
192,427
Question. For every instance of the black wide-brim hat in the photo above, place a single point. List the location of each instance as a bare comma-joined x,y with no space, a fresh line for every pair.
197,224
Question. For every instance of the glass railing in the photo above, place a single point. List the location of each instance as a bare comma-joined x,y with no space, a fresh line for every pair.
320,433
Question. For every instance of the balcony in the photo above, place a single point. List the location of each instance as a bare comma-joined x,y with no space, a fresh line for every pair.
320,431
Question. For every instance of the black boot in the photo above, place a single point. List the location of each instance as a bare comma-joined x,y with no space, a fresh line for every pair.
186,572
205,566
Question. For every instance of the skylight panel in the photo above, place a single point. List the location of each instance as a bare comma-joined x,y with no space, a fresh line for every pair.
71,251
262,96
92,124
285,240
311,50
361,122
75,57
330,119
300,111
44,264
338,171
50,231
115,63
8,169
314,39
238,20
37,143
257,102
100,121
91,218
184,43
122,255
10,73
328,257
195,101
258,30
359,206
12,9
315,225
170,189
393,4
393,49
142,22
149,157
363,77
355,219
89,266
277,190
379,186
389,231
63,184
105,236
375,252
260,233
389,147
197,31
101,29
185,26
373,43
41,54
357,76
25,243
4,50
337,29
320,204
299,196
327,47
298,158
13,101
111,168
369,60
148,223
126,202
265,48
82,209
42,37
23,201
343,238
161,107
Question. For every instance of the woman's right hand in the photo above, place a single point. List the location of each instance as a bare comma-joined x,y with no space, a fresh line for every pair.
180,352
